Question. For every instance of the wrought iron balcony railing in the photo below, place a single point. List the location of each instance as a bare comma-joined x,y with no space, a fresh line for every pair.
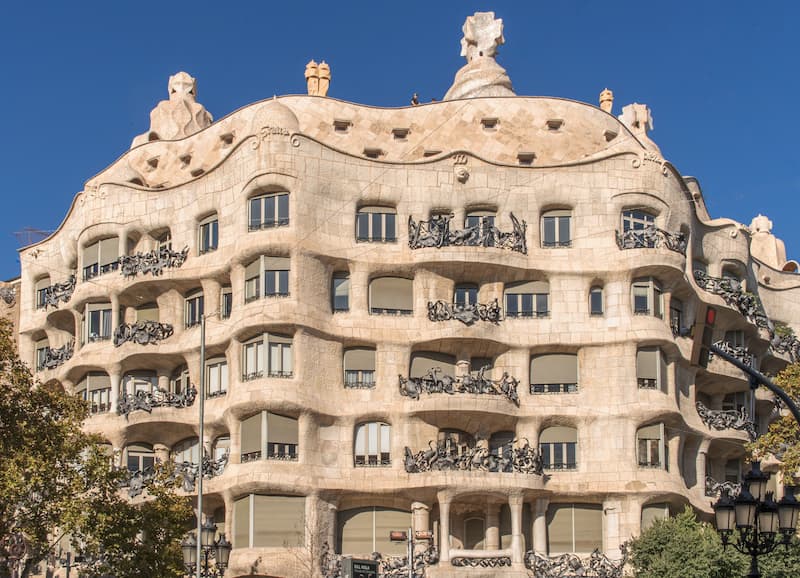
436,232
596,565
731,291
95,269
187,472
740,353
715,488
275,451
466,313
373,460
142,332
54,294
437,382
388,566
443,457
537,388
727,419
153,262
652,237
268,224
253,375
527,314
148,401
647,383
53,357
389,311
486,561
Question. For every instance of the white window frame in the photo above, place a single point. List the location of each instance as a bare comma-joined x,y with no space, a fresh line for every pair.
650,289
637,219
343,277
280,211
484,220
540,302
103,313
41,288
369,436
272,356
208,234
142,455
656,453
557,217
225,302
662,370
256,287
216,376
378,221
193,308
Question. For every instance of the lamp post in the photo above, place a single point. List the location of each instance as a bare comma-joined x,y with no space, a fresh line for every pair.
762,524
219,550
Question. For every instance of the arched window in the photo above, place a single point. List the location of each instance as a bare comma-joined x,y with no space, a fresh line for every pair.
269,210
556,228
474,533
186,451
559,448
373,444
100,257
144,381
637,219
391,296
376,225
554,373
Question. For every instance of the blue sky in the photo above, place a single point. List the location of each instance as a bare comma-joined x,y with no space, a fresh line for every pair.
80,79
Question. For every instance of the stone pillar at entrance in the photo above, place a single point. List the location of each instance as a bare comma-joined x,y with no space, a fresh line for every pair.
517,543
540,526
420,522
444,526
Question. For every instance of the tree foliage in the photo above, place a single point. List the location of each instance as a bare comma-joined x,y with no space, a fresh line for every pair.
782,439
56,480
682,546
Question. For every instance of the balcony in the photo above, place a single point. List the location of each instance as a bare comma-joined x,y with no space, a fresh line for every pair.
727,419
715,489
147,400
253,375
443,457
466,313
153,262
573,566
187,472
437,382
651,237
275,451
740,353
54,294
388,311
55,357
95,269
142,332
436,233
540,388
731,291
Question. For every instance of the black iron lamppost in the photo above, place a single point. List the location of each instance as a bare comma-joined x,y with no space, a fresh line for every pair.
219,549
762,523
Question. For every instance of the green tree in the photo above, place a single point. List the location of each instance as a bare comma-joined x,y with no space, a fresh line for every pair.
56,481
683,547
782,439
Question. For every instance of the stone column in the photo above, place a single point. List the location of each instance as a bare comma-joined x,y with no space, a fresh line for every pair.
161,452
612,510
515,502
701,464
113,398
115,317
540,526
492,533
420,522
444,500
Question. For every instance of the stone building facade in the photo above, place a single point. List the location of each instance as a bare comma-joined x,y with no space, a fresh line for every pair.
472,317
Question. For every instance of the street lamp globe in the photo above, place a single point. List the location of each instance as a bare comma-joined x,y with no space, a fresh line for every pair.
223,552
209,532
189,550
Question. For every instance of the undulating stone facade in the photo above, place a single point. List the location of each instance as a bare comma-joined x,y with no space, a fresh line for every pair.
471,317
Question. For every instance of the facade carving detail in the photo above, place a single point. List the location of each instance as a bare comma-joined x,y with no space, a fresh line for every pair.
650,238
597,565
467,313
142,332
481,561
435,381
148,401
153,262
441,457
8,294
58,293
436,232
54,357
716,489
726,419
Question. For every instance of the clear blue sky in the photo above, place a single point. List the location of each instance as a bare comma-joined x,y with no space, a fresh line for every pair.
80,79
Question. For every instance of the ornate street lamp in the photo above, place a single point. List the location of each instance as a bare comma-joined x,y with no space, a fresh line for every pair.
219,550
762,524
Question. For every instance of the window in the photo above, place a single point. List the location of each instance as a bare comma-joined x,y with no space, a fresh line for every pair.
147,312
465,294
362,531
359,368
559,448
100,257
650,447
676,316
222,447
372,444
269,435
651,368
423,362
733,471
554,373
274,271
95,389
97,322
596,301
736,401
187,451
193,308
143,381
216,377
391,296
455,442
165,241
42,348
225,302
735,338
474,533
139,457
482,222
41,289
556,229
208,237
340,291
574,528
376,225
269,521
653,512
269,210
637,219
278,361
527,299
647,297
501,445
179,381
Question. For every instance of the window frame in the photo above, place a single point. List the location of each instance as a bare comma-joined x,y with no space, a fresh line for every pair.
100,264
344,278
651,450
263,345
637,219
105,319
193,308
485,221
217,364
379,458
208,234
651,289
556,454
270,281
661,381
225,302
359,378
465,294
378,225
600,311
539,302
387,310
279,202
557,217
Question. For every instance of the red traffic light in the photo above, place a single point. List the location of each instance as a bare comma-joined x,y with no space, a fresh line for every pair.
711,316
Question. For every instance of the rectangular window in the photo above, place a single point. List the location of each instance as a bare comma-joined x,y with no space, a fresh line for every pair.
226,303
647,297
636,220
217,377
193,310
482,223
372,444
556,229
267,211
97,322
465,295
253,360
651,368
676,316
559,456
341,292
376,224
209,235
596,301
101,257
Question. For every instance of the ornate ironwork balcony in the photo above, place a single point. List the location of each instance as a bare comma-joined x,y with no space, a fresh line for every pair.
465,313
715,488
788,344
537,388
55,357
726,419
597,565
388,566
142,332
443,457
481,561
187,472
730,290
437,382
147,401
250,457
54,294
436,232
153,262
95,269
739,353
651,238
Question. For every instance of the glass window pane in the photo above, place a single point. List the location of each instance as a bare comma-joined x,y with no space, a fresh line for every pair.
563,230
255,213
283,209
527,304
390,227
596,302
549,231
269,211
541,304
283,282
269,283
511,305
377,226
362,227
